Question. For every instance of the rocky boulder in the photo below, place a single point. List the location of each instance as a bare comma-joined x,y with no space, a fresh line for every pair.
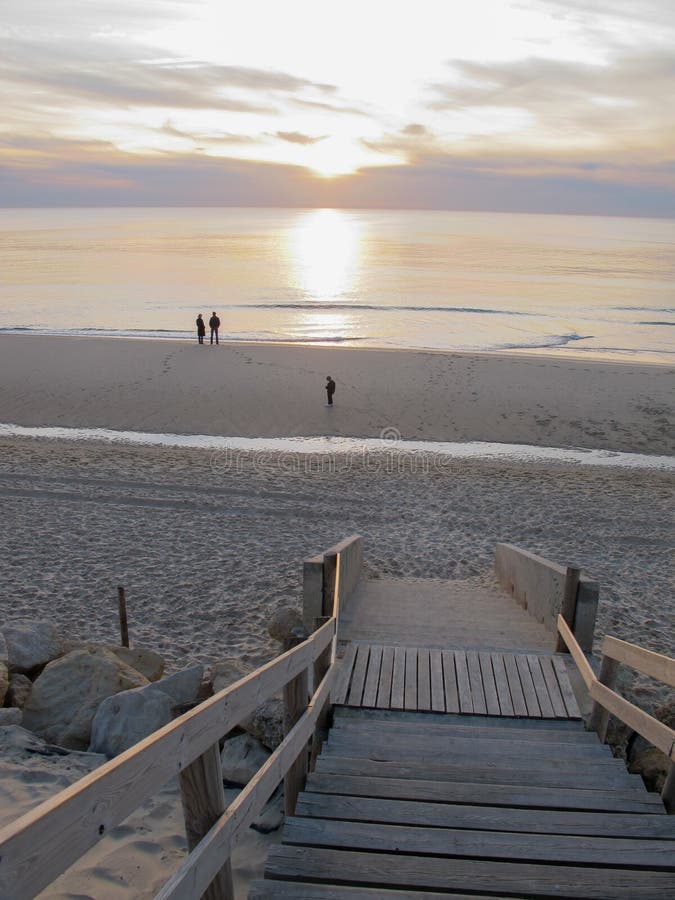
228,671
266,722
282,622
182,687
145,661
126,718
68,692
11,716
31,643
4,682
241,757
19,690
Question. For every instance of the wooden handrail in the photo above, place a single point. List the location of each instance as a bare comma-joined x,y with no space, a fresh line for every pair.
41,844
656,665
576,652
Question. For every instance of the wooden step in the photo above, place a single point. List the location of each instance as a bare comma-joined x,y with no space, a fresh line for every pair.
297,890
347,713
501,879
485,818
522,796
341,765
464,729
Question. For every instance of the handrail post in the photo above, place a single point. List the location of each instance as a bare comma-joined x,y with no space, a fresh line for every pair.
330,574
321,666
668,792
599,719
296,698
203,796
569,604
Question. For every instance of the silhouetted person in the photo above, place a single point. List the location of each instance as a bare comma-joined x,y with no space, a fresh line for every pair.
201,329
214,325
330,389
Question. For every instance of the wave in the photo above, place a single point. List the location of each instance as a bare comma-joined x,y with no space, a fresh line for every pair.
550,342
167,334
376,307
655,323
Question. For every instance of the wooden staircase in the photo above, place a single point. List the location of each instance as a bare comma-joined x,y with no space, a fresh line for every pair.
410,804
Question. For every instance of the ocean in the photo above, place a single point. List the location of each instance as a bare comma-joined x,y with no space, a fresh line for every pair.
549,284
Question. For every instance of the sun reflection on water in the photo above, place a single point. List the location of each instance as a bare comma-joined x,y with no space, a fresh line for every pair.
325,247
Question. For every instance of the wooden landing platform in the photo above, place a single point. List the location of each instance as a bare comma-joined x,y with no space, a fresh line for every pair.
471,682
407,805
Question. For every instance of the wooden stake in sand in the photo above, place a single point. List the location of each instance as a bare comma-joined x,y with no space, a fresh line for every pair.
124,628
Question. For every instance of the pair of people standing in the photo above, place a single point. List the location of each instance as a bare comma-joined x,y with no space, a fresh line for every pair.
214,325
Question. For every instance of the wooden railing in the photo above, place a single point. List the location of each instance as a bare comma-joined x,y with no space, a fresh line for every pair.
44,842
607,702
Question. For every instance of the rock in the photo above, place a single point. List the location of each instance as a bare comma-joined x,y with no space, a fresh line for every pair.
20,687
10,716
68,692
4,681
228,671
4,658
31,643
183,687
653,765
282,622
241,757
126,718
266,723
145,661
272,816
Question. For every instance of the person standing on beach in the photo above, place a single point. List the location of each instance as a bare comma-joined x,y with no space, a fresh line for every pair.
330,389
214,325
201,329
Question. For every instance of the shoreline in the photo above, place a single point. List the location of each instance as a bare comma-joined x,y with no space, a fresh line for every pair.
253,390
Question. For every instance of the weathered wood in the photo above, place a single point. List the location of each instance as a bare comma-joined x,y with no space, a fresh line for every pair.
203,797
528,687
398,679
528,796
489,684
198,869
502,685
656,665
296,698
321,666
557,702
651,729
609,669
330,584
359,675
410,698
447,842
569,602
296,890
515,687
577,653
372,682
423,679
450,682
346,667
566,691
668,792
468,731
476,682
463,682
38,846
436,677
386,674
122,607
501,878
540,688
485,818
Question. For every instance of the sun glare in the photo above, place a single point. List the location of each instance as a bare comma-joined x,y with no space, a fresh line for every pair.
325,246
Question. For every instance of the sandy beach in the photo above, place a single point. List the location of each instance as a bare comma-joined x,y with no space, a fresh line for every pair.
208,547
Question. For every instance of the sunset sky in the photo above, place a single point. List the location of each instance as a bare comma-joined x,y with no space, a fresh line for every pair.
533,105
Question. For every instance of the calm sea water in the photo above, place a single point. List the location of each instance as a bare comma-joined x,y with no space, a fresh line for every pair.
438,280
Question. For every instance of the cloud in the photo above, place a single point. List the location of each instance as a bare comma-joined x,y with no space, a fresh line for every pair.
215,137
296,137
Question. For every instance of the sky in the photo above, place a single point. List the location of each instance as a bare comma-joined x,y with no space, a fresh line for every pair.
562,106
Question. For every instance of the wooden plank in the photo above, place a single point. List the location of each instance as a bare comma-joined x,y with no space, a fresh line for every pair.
651,729
489,684
405,871
448,842
411,678
485,818
386,672
39,845
656,665
557,702
463,683
469,731
450,682
540,688
502,685
515,687
398,679
527,796
566,691
423,679
476,682
436,675
345,675
568,606
457,719
301,890
198,869
577,653
588,779
373,677
528,687
359,675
